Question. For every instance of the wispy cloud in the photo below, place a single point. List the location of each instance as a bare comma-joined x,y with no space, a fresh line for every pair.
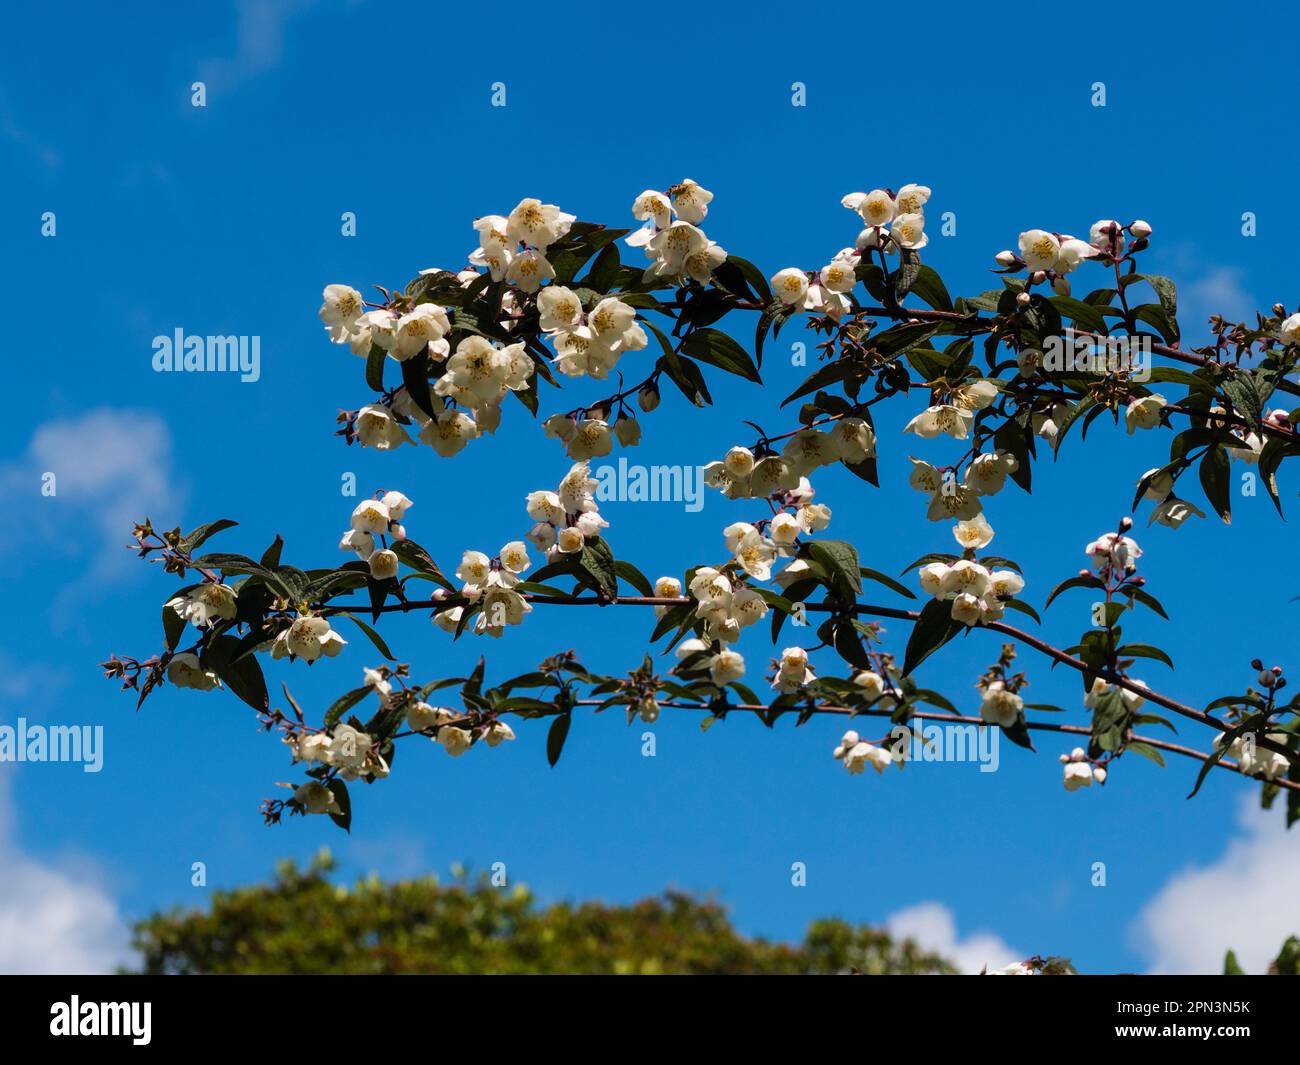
1244,900
933,926
110,468
53,919
259,36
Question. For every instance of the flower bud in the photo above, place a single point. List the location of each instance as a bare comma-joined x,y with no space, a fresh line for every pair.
1267,679
1078,755
1061,286
1023,299
1140,230
1007,259
648,398
1038,277
1125,524
1099,775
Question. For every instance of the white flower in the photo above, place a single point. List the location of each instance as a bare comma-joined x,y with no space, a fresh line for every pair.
939,419
756,553
999,706
455,741
475,568
854,439
671,247
814,517
376,427
859,755
690,201
370,516
690,647
790,286
342,308
628,431
877,207
932,577
726,666
383,565
528,270
1173,512
203,605
975,395
514,556
987,474
1144,413
1005,583
570,540
449,432
1039,249
498,732
316,798
908,231
1114,550
591,440
537,224
808,449
838,276
1290,329
785,529
1107,236
654,207
424,325
871,683
1077,775
1073,252
185,671
308,638
913,198
976,532
967,609
558,308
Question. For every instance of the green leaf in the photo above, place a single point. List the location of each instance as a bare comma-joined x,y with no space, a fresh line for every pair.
934,628
374,637
840,560
192,540
930,287
375,368
1215,473
634,577
555,737
344,703
1145,650
597,560
344,802
243,676
720,350
888,582
173,624
1146,751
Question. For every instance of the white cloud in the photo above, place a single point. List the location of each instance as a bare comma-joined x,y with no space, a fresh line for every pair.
53,919
1244,900
1219,292
933,927
259,31
111,468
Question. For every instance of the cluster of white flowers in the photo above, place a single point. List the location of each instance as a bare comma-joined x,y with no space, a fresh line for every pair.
976,593
893,221
591,436
513,247
455,736
590,342
1255,760
350,750
985,475
724,607
203,606
856,754
1056,255
377,517
1079,773
955,417
793,671
724,666
492,580
742,475
677,248
566,518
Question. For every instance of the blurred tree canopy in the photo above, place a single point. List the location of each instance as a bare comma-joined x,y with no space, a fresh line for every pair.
302,922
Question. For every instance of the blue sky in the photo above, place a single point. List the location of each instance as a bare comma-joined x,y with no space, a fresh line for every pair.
225,220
